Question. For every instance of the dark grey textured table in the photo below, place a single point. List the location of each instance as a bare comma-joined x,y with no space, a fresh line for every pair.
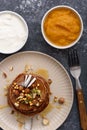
33,11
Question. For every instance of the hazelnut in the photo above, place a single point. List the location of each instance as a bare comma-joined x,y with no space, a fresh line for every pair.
49,81
61,100
16,92
20,88
27,90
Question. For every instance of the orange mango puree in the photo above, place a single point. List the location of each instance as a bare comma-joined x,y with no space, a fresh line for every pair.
62,26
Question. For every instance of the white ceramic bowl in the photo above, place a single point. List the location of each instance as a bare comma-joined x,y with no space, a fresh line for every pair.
13,32
50,42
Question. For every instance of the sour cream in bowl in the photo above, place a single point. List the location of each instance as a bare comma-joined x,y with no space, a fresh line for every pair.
13,32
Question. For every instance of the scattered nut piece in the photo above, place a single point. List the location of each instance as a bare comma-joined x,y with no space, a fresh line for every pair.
45,121
27,67
11,68
55,99
6,93
12,112
4,75
6,87
38,117
61,100
49,81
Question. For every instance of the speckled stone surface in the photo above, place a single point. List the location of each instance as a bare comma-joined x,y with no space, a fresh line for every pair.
33,11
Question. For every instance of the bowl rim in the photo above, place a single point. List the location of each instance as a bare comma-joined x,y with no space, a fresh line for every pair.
25,26
42,29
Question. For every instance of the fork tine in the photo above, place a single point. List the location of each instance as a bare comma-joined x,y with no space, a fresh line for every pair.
73,59
76,58
70,59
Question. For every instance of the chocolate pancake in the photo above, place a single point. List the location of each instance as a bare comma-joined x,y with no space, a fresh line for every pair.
27,95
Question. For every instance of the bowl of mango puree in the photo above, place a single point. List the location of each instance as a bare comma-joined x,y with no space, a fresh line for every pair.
62,27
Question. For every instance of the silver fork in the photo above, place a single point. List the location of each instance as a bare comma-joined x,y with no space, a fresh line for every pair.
75,70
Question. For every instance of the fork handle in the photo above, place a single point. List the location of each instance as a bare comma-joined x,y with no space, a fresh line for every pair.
82,109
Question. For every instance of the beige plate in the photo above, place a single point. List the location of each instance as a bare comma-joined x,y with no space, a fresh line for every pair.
61,86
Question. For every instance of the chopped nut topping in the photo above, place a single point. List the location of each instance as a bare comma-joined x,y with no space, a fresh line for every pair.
40,100
26,102
61,100
27,90
24,99
16,92
15,83
20,97
37,104
34,95
38,85
23,91
16,87
4,75
45,121
16,104
30,103
20,88
22,94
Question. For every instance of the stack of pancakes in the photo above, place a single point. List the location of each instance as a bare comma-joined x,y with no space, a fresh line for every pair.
29,100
